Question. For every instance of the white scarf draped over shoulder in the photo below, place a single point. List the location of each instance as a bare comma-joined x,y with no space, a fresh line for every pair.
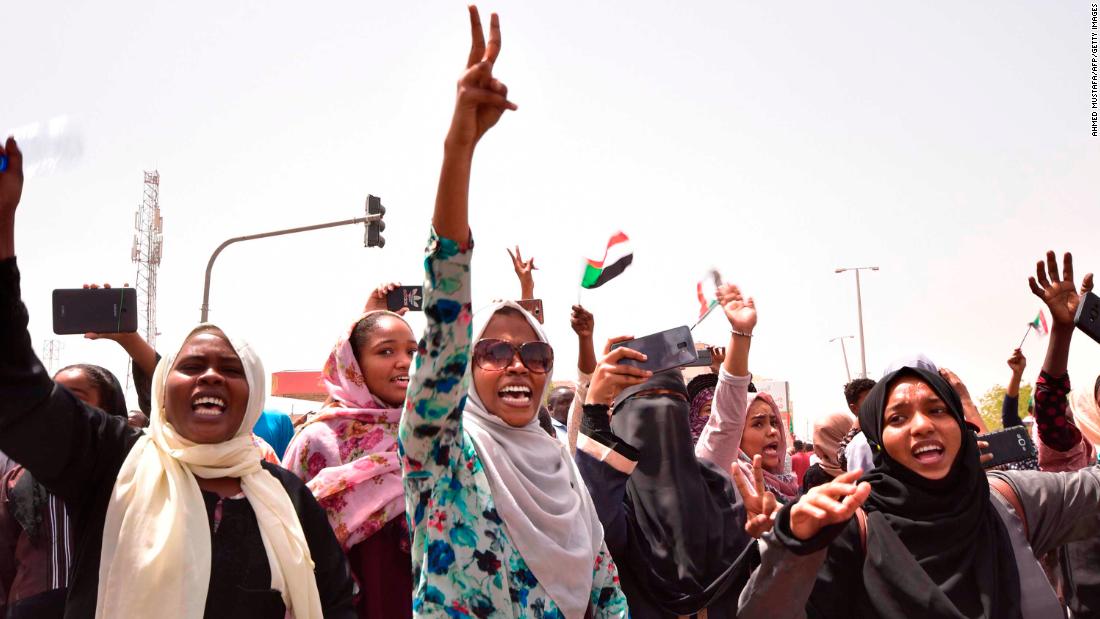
156,552
538,492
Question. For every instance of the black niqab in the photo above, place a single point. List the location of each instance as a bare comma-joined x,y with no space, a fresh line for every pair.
934,548
688,545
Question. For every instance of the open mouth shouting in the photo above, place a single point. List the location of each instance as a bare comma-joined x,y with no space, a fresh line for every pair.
401,380
208,405
929,452
770,450
516,395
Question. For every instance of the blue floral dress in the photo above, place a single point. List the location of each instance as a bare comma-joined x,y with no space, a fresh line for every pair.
464,565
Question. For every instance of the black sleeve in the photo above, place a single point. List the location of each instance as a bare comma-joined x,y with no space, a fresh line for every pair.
836,589
1010,412
143,385
70,447
335,584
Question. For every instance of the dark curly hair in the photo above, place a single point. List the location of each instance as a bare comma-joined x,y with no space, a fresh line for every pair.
856,388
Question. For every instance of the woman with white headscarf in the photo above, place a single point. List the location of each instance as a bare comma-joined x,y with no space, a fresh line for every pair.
181,520
501,523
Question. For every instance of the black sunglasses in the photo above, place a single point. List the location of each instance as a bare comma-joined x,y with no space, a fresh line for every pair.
497,355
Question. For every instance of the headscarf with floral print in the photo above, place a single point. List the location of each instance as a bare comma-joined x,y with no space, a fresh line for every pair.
347,454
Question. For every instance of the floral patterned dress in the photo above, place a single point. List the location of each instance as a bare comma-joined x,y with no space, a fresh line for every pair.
464,565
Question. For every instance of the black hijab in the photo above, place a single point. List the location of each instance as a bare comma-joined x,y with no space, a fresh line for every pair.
688,545
934,548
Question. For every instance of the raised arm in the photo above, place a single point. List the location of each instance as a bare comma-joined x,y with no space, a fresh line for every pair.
584,325
1061,297
11,191
1010,407
481,101
524,272
66,444
432,420
720,440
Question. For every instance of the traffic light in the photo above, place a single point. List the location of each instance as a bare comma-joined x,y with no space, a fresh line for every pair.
375,227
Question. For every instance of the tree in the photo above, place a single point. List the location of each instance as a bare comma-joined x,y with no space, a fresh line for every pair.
990,405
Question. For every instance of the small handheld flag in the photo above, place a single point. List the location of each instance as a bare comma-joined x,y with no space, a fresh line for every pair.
616,258
1039,325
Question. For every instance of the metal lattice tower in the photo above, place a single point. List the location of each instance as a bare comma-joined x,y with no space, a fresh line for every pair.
51,355
146,253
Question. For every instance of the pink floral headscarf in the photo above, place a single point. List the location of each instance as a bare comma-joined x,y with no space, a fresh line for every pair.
347,454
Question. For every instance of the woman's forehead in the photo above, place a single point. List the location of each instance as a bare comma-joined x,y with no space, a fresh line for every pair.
207,342
510,327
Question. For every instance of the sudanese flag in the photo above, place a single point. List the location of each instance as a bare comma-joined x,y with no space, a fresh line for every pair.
616,258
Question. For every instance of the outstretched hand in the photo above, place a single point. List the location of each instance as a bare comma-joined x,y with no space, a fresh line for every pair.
482,99
1059,293
612,376
759,502
828,504
739,310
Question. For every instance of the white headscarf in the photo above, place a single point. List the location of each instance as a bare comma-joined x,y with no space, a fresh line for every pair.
156,537
538,492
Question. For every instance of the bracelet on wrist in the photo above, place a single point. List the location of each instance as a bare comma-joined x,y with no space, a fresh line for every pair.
741,333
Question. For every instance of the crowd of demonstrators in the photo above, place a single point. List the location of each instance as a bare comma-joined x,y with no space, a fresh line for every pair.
672,518
447,476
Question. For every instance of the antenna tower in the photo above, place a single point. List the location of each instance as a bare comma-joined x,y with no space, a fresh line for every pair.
146,253
51,355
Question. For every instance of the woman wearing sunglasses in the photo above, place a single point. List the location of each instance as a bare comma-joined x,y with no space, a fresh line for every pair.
501,523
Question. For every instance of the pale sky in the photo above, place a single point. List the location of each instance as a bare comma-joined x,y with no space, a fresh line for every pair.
947,143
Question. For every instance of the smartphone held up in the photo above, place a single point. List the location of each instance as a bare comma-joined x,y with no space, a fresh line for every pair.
95,310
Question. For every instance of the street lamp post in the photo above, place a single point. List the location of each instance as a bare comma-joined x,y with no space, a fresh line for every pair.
373,216
859,312
844,352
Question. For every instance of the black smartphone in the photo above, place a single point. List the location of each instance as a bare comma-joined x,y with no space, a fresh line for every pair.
533,307
1088,316
1008,445
411,297
665,350
706,357
98,310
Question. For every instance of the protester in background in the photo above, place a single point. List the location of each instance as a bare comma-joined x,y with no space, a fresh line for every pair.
829,430
673,520
701,395
1075,569
853,452
561,400
347,455
276,429
160,529
765,436
501,523
800,461
36,536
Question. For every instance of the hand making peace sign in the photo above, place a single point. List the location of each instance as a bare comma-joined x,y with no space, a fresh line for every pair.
482,98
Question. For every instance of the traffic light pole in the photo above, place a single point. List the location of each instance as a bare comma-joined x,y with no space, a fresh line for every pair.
263,235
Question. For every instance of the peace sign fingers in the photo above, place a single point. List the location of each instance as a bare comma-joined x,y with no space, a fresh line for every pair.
479,52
